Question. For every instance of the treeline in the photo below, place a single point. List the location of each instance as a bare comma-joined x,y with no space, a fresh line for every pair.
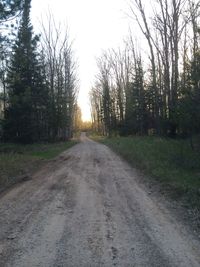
156,91
38,77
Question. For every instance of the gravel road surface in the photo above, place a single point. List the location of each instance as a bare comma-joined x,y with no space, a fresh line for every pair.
86,208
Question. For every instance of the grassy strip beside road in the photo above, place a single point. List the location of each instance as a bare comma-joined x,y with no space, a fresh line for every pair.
171,162
18,161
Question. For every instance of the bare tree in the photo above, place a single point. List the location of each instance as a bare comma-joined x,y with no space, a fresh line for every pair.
61,78
145,29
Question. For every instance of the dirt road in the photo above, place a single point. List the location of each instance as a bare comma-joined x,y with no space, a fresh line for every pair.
86,209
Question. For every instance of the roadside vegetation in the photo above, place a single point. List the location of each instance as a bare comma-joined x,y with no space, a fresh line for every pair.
38,92
18,162
172,163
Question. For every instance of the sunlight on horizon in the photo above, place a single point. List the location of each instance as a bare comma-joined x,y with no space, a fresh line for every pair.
94,26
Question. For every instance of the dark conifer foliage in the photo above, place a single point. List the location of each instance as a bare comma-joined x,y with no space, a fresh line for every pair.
26,90
40,89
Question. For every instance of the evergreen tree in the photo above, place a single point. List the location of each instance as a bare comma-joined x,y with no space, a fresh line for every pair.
135,116
25,85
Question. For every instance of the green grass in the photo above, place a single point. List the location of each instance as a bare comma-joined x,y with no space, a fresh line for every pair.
17,160
171,162
49,151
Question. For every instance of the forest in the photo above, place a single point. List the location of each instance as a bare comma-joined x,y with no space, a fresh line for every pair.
150,90
38,76
154,90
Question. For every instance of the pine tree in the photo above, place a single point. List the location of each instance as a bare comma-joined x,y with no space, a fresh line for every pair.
25,85
135,116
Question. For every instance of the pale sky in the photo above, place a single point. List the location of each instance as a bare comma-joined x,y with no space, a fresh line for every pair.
94,25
